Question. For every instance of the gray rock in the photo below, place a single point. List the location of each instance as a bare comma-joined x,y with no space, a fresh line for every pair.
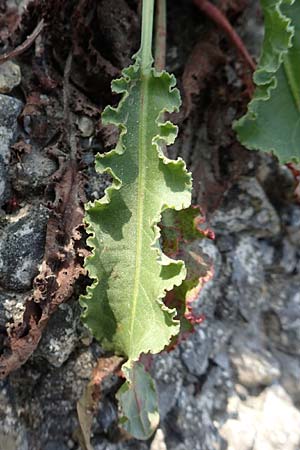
12,431
4,183
281,320
168,373
10,76
208,340
50,398
248,286
32,174
60,337
290,375
193,425
245,207
195,352
289,258
107,416
292,219
22,248
10,109
269,421
12,306
255,366
205,304
2,316
253,33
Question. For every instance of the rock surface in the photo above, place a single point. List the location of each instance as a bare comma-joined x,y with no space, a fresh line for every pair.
32,175
4,183
22,247
10,109
269,421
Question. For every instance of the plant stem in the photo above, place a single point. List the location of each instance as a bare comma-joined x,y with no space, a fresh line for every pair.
160,35
218,17
25,45
147,32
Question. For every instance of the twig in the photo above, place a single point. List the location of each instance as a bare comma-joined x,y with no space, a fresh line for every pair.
160,35
26,44
218,17
69,122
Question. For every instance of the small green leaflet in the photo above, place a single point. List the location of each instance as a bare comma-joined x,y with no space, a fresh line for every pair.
124,307
272,123
138,401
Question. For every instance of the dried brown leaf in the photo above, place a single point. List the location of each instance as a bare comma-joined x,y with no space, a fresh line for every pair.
88,403
60,270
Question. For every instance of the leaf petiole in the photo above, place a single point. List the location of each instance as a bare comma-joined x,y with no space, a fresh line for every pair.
147,33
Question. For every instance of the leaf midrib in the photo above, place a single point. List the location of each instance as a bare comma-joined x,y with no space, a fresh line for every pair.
142,138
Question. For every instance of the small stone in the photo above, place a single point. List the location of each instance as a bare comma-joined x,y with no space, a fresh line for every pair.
10,76
158,442
10,109
33,173
86,126
22,248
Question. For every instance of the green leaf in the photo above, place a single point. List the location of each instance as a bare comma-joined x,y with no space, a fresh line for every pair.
138,400
123,308
272,123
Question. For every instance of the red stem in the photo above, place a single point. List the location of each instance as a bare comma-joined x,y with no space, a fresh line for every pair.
218,17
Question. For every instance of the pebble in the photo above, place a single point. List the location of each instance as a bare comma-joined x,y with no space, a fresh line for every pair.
32,174
10,77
